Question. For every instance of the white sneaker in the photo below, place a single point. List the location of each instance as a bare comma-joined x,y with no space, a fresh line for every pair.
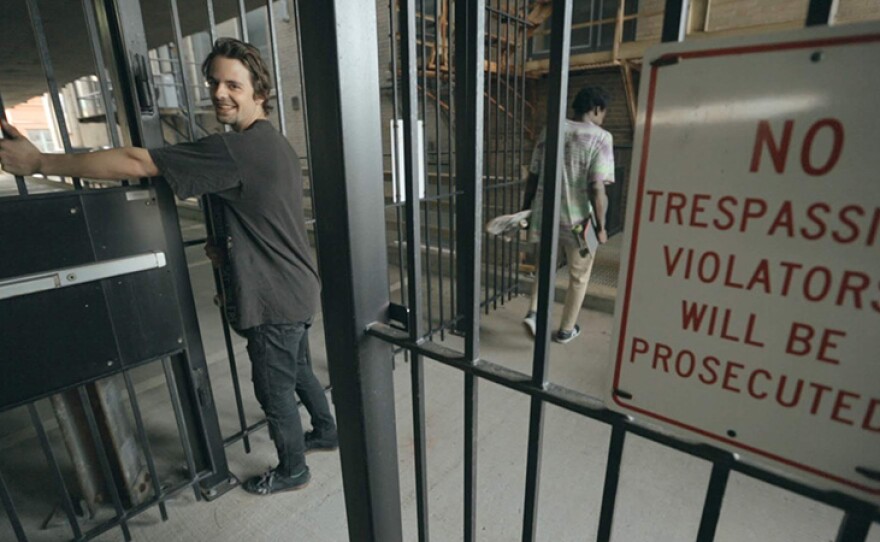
531,321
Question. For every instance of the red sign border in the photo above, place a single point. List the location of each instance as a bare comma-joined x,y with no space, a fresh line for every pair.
640,191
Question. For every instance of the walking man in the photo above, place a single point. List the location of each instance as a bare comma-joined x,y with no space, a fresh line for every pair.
253,174
588,165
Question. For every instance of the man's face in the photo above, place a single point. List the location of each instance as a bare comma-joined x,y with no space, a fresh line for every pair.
598,116
232,94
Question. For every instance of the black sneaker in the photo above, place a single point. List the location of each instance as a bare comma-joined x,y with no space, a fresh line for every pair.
563,337
317,443
271,482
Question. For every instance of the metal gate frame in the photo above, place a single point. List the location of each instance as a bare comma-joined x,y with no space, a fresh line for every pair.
351,197
117,26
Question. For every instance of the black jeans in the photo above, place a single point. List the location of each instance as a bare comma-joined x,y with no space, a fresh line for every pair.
281,365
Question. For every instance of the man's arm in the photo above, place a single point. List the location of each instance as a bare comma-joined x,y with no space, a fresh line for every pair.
531,190
600,201
19,156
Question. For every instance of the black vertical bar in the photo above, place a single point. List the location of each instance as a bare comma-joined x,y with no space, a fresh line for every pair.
470,35
495,153
471,404
393,17
181,425
675,20
855,525
612,477
423,157
49,72
145,443
57,478
11,513
469,57
305,110
487,162
714,497
450,166
242,21
419,450
101,72
184,76
821,12
19,180
104,461
437,141
218,285
273,46
508,113
560,45
523,47
343,99
410,139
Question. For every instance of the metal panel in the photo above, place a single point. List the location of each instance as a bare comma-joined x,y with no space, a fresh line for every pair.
342,93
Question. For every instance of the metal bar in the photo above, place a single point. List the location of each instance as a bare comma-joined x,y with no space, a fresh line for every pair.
417,373
181,425
560,46
451,164
212,21
483,260
714,497
822,12
675,20
505,247
103,460
438,145
508,15
101,72
305,109
11,513
423,157
184,77
495,153
471,396
135,511
593,408
49,72
242,21
523,46
855,525
393,18
145,443
410,102
469,57
276,63
612,477
343,91
233,371
57,478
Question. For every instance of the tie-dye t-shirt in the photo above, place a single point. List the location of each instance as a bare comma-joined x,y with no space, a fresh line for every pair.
588,158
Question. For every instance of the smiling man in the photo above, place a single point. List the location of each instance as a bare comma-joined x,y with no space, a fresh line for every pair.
253,174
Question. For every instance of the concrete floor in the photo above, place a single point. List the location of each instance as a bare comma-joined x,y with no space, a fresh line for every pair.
660,495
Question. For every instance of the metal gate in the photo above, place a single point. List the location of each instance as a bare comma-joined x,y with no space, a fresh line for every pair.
99,322
360,276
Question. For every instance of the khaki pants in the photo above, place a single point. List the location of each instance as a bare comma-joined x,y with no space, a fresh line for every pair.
579,270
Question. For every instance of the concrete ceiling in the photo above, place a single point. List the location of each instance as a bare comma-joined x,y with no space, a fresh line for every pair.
21,75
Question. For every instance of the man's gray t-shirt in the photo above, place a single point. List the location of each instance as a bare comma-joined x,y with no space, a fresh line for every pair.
255,176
